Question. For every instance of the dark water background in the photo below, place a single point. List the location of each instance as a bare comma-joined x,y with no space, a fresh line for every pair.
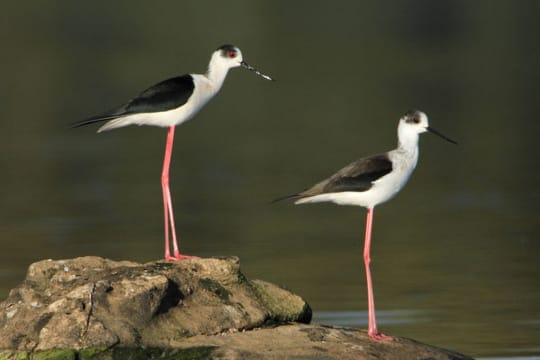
455,255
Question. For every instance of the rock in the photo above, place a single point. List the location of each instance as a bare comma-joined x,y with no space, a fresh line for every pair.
93,302
302,341
94,308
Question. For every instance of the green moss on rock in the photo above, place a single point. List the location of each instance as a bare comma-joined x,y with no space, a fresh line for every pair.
282,305
120,353
14,355
55,354
92,353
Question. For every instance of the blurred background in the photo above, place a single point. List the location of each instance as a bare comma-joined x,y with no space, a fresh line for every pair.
455,254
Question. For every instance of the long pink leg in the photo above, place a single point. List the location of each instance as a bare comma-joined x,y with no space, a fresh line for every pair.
372,323
167,202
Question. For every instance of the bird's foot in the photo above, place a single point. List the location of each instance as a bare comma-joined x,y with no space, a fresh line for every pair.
380,337
180,257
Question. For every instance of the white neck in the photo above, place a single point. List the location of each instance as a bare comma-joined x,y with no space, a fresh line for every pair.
217,72
407,150
407,139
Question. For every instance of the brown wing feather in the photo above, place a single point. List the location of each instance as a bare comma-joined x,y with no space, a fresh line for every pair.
357,176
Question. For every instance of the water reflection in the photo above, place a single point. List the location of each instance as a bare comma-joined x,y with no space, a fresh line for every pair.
422,322
360,318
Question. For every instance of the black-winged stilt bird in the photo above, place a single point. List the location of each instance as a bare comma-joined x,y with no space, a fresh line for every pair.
170,103
370,181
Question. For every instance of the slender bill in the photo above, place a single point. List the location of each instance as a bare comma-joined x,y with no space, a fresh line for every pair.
432,130
251,68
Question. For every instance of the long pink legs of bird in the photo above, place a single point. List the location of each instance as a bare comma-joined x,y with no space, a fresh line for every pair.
372,323
167,203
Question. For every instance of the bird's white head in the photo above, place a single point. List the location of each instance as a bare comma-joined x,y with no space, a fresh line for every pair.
227,57
412,124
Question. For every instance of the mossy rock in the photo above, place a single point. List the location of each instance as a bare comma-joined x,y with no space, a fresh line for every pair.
120,353
282,305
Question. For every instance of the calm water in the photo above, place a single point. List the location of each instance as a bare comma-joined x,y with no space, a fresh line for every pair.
455,255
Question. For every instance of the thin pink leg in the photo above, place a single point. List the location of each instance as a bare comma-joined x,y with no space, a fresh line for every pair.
166,213
372,323
167,203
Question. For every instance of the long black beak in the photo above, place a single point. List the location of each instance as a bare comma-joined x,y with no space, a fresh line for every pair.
251,68
432,130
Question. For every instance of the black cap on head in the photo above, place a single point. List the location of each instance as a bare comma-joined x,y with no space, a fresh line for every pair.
227,49
413,116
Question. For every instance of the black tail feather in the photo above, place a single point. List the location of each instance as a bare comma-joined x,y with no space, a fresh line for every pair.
286,197
93,120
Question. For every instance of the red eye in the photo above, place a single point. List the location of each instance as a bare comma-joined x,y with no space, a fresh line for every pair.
232,54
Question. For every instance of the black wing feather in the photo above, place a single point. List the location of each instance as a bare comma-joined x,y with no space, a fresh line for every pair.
165,95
